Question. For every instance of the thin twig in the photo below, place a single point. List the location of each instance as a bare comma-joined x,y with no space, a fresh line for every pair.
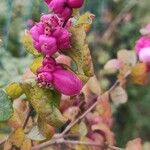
82,143
62,141
118,19
115,148
118,81
29,111
80,118
58,138
92,107
72,142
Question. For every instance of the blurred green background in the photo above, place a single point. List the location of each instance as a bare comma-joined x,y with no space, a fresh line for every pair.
116,26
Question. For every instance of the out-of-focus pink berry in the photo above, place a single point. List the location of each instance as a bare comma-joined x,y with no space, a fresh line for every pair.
75,3
141,43
144,55
48,45
66,82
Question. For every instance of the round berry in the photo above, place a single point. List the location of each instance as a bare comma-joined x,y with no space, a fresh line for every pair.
75,3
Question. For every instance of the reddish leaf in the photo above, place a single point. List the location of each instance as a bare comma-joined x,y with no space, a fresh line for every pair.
139,74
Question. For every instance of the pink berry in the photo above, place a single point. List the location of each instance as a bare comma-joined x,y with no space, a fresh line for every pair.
75,3
36,31
144,55
37,46
49,60
141,43
66,82
63,38
66,13
45,78
48,45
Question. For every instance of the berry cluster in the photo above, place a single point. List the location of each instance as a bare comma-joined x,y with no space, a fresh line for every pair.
51,35
64,8
53,74
143,46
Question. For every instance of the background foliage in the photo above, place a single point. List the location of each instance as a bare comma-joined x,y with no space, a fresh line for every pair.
131,119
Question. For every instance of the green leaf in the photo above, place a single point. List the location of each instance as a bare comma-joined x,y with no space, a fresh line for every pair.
28,44
80,52
55,99
45,103
14,90
6,109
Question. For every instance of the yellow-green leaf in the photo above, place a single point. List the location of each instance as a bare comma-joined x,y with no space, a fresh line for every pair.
45,102
75,12
80,52
46,130
26,145
86,20
15,121
14,90
17,137
37,63
28,44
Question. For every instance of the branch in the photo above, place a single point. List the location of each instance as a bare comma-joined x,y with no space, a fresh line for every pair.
115,148
79,118
72,142
27,117
62,141
59,137
118,19
92,107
